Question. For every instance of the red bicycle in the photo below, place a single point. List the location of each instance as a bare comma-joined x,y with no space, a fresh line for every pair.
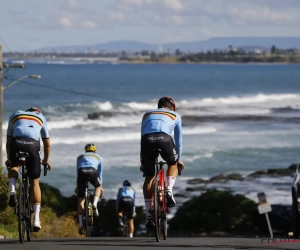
159,201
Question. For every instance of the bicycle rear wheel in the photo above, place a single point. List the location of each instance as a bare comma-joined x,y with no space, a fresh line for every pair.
88,227
164,219
156,212
125,227
21,212
28,212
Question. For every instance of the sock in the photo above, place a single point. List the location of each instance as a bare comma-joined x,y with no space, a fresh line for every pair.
36,211
147,205
80,220
170,182
12,185
96,199
130,235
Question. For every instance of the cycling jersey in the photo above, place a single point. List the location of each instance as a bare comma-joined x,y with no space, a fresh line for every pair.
27,124
125,192
166,121
91,159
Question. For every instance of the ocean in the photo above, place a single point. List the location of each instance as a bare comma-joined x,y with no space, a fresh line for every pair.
237,118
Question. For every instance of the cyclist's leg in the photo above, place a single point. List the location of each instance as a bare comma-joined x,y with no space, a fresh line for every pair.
33,164
120,210
130,213
95,181
81,180
148,160
13,171
170,155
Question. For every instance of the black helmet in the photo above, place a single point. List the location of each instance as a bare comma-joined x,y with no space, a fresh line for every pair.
165,101
127,183
34,109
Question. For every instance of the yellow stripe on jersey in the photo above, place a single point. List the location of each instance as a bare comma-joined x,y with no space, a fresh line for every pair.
171,115
28,117
93,156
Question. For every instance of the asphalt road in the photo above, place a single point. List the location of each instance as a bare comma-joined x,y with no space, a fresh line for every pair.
109,243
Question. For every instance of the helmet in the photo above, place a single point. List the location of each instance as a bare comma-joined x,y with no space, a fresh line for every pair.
127,183
34,109
90,147
167,99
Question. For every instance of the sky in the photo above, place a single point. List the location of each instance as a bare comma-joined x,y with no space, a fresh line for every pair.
34,24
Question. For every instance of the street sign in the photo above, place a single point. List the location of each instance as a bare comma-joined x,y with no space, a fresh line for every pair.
264,208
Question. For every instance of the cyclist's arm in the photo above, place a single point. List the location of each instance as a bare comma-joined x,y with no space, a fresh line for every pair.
178,136
8,140
134,201
46,142
100,170
9,135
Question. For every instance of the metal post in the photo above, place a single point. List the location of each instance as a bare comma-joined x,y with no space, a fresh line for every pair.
269,225
1,105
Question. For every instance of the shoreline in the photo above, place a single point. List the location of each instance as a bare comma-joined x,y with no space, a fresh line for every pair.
116,60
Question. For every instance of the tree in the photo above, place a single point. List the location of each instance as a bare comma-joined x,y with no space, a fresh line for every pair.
273,50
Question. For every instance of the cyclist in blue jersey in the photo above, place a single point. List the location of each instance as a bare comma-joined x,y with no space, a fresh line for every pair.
157,128
126,203
89,167
23,134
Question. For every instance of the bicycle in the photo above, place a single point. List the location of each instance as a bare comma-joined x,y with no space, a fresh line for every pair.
125,227
159,200
89,215
24,209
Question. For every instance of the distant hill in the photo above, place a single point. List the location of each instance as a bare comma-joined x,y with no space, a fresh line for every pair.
218,43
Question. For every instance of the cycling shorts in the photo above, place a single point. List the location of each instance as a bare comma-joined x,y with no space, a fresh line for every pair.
33,161
164,143
126,204
87,174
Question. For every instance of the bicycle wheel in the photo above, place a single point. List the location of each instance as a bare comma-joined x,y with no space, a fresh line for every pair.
88,227
21,212
125,227
28,211
164,219
156,212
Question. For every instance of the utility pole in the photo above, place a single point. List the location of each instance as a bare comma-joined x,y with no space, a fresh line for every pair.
2,88
1,105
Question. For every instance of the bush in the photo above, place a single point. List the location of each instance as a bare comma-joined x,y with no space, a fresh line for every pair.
214,211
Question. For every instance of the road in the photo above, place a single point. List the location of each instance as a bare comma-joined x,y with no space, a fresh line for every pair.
109,243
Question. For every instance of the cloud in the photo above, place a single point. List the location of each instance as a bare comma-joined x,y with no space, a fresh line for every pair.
65,22
263,16
88,24
173,4
177,20
116,16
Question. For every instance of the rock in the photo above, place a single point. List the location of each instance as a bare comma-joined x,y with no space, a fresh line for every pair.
275,172
97,115
196,181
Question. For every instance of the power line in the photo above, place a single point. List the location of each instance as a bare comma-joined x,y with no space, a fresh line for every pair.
73,92
5,43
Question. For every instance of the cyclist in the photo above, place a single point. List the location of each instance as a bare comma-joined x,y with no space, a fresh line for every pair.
89,167
156,133
23,134
126,202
